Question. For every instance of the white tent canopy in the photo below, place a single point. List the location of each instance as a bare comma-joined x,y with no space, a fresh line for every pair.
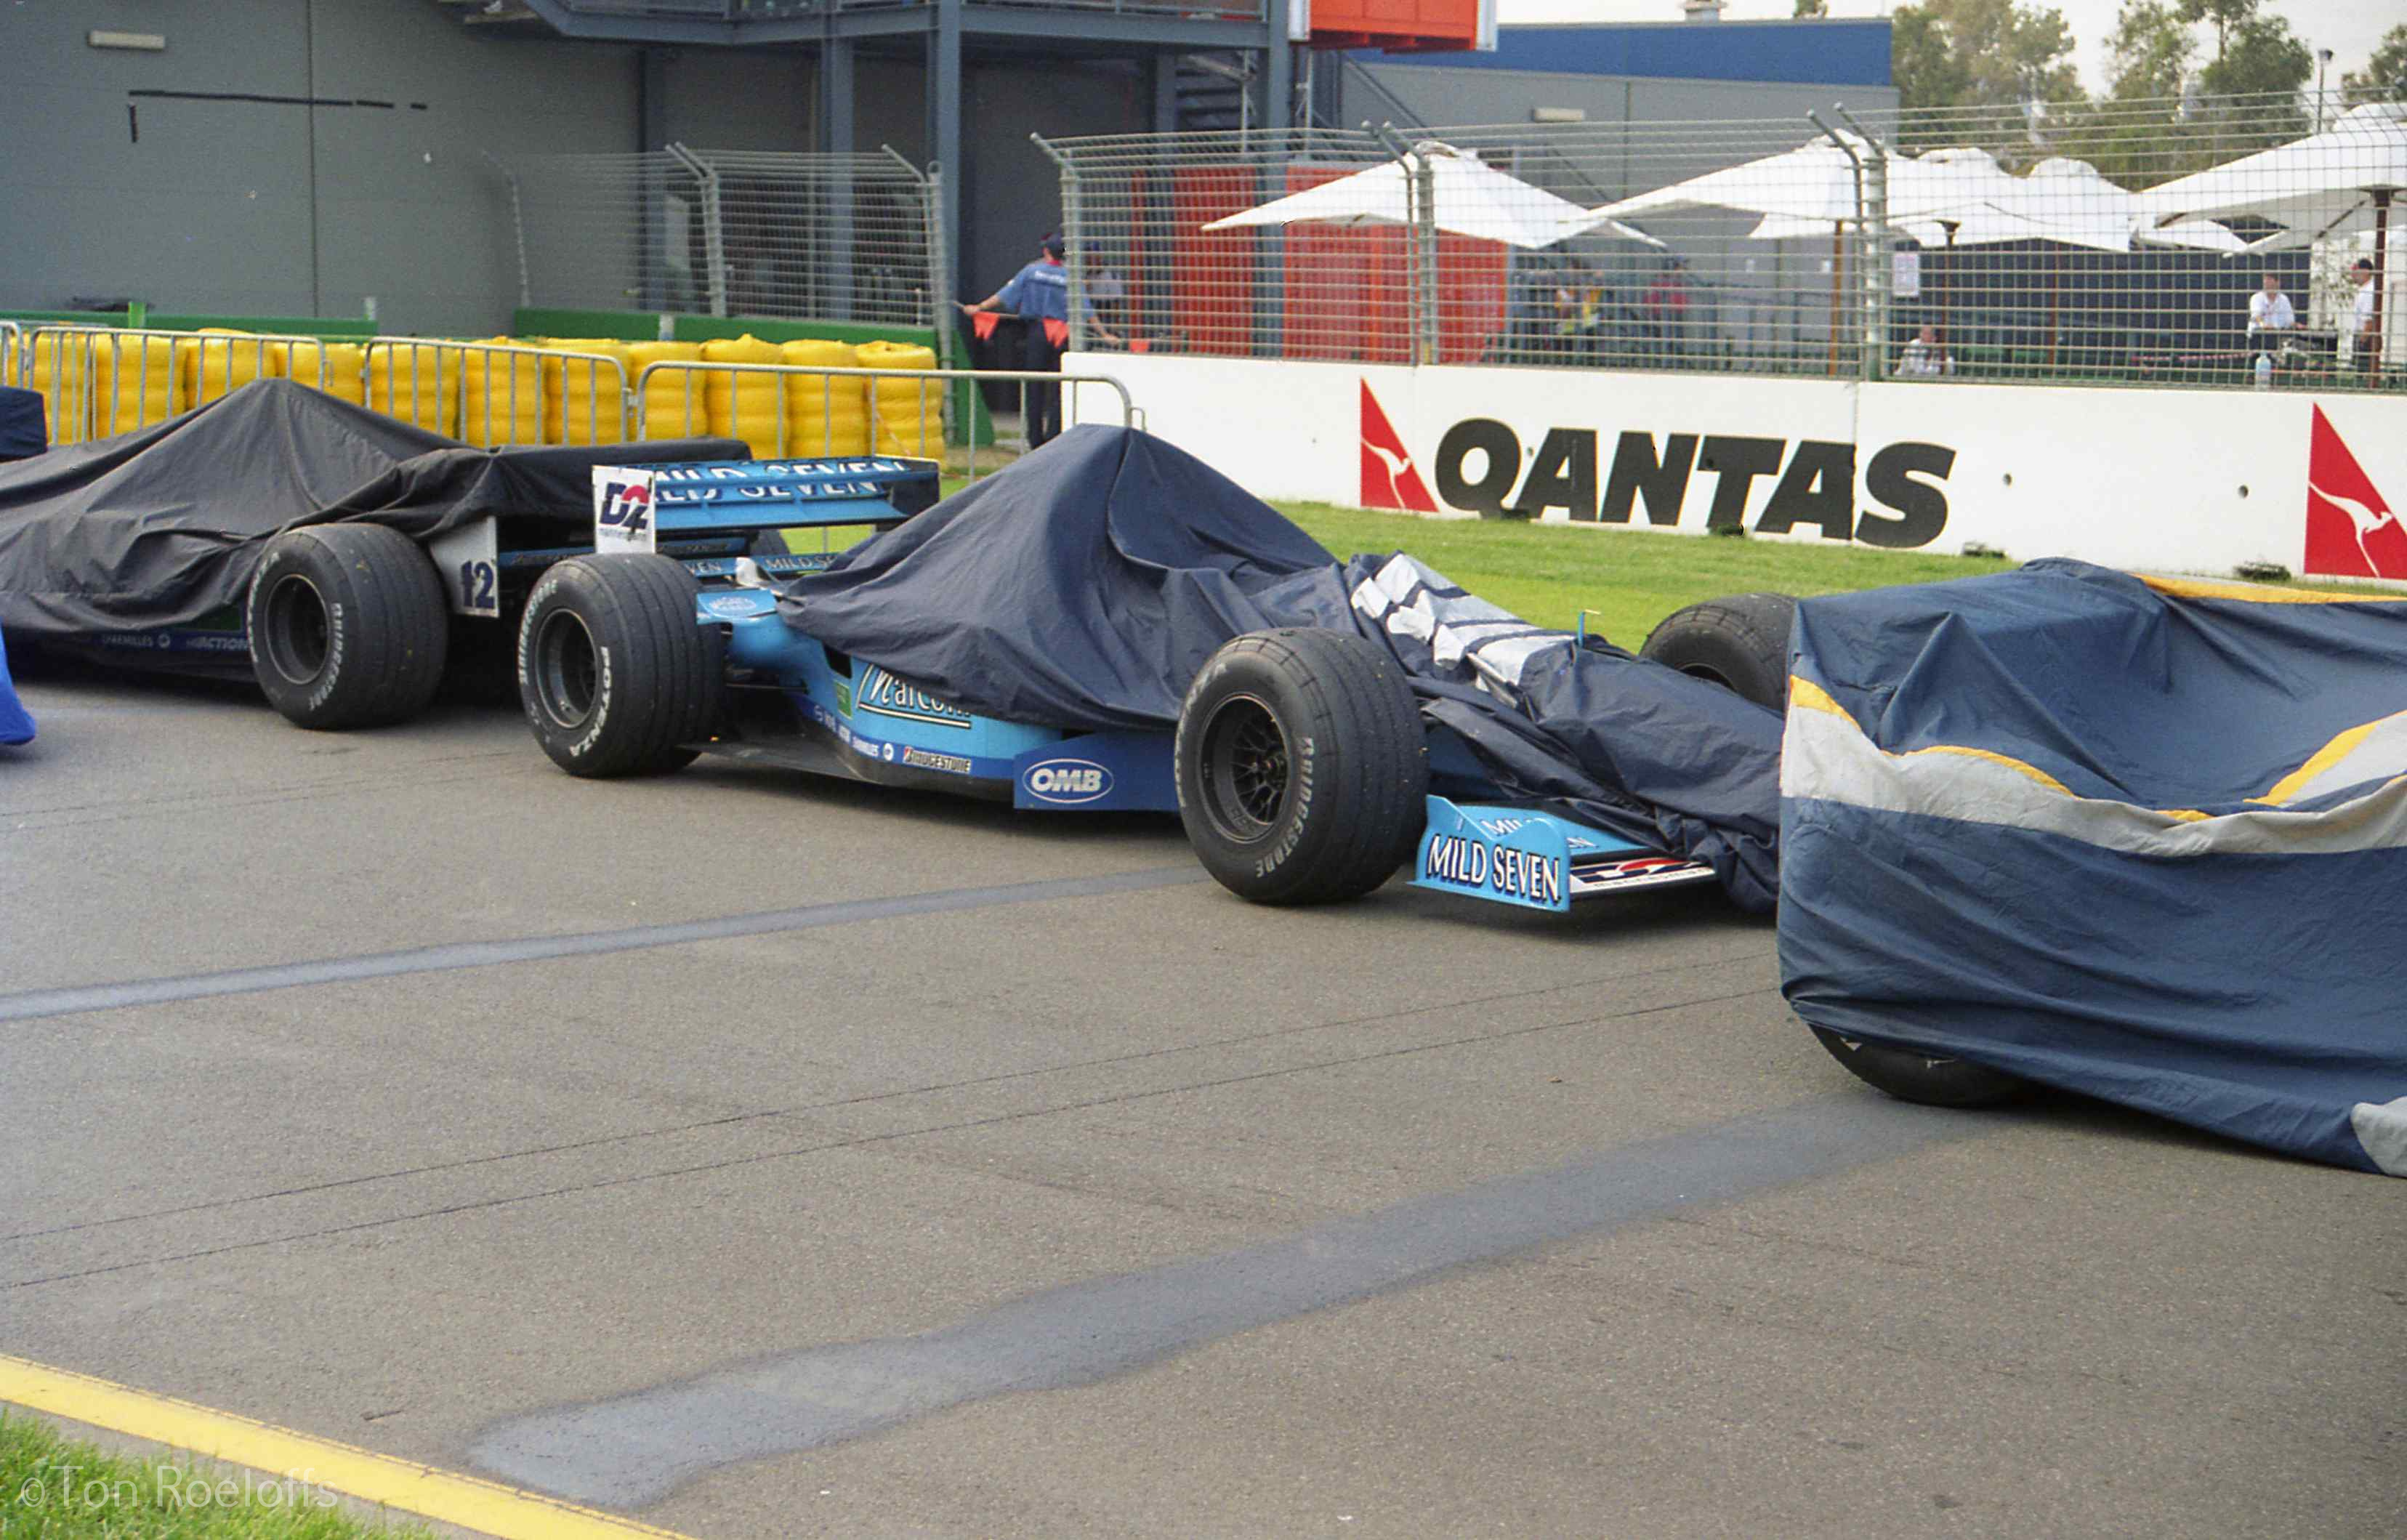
2330,183
1468,197
1956,196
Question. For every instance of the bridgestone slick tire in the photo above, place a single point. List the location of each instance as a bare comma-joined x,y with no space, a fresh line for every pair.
614,672
1740,642
1301,765
347,626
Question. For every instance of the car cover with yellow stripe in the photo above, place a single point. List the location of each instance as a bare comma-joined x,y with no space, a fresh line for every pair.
2140,839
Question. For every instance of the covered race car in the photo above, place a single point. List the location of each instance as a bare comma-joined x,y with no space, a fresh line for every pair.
1111,624
2141,838
323,548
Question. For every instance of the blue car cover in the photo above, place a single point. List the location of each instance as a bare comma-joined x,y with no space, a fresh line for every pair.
16,722
1085,585
2142,839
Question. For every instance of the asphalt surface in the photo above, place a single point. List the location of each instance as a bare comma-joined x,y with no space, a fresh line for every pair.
771,1157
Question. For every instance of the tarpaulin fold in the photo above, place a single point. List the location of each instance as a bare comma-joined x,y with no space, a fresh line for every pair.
2137,838
1087,585
162,525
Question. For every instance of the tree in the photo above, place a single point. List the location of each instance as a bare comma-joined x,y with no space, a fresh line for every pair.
1976,53
1811,9
2258,54
2224,16
2150,53
2384,77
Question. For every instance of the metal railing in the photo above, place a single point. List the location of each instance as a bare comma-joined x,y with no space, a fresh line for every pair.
498,393
731,232
911,421
2219,241
99,380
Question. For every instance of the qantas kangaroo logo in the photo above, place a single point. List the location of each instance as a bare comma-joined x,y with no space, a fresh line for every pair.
1389,478
2351,532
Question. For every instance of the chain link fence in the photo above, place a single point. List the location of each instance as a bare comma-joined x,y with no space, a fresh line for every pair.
2229,241
729,232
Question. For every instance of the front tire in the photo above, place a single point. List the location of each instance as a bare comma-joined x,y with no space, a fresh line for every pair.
347,626
1740,642
614,671
1911,1076
1301,766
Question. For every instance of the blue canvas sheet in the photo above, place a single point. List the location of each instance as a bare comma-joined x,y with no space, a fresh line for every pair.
2140,839
16,722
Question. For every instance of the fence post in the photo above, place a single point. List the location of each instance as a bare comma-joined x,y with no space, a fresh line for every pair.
1074,222
714,235
517,224
1420,207
1879,272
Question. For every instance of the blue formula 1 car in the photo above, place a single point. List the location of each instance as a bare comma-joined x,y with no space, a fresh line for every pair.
1301,764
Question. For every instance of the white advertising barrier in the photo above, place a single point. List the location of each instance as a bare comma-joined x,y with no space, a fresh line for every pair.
1685,453
2179,480
1277,429
2170,480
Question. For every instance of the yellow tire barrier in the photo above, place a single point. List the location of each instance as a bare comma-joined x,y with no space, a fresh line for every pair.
338,368
910,415
134,382
751,407
828,415
673,404
418,383
214,363
59,375
585,402
500,395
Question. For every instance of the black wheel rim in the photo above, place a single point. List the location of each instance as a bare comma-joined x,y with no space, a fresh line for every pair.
567,669
1246,766
300,632
1710,675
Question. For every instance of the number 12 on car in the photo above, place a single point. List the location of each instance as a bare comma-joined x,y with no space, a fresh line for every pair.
622,508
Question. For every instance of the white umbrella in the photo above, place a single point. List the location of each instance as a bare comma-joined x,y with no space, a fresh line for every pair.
1468,197
2337,182
1816,186
1963,197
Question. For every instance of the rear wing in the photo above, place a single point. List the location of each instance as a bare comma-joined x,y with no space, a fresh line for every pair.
639,505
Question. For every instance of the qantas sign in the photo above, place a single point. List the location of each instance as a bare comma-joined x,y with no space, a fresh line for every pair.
2351,532
1479,469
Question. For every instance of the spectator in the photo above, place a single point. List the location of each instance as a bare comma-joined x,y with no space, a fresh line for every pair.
2367,347
1039,294
1925,357
1664,310
2269,314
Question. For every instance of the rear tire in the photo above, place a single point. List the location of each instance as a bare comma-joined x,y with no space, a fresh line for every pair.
1301,766
347,626
1740,642
1911,1076
614,671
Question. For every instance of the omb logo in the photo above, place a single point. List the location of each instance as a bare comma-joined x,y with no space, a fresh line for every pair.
1068,781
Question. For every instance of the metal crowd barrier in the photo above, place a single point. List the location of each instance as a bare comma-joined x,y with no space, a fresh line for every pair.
83,372
915,437
430,379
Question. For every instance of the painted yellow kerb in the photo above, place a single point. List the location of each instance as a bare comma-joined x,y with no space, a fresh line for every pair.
485,1506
